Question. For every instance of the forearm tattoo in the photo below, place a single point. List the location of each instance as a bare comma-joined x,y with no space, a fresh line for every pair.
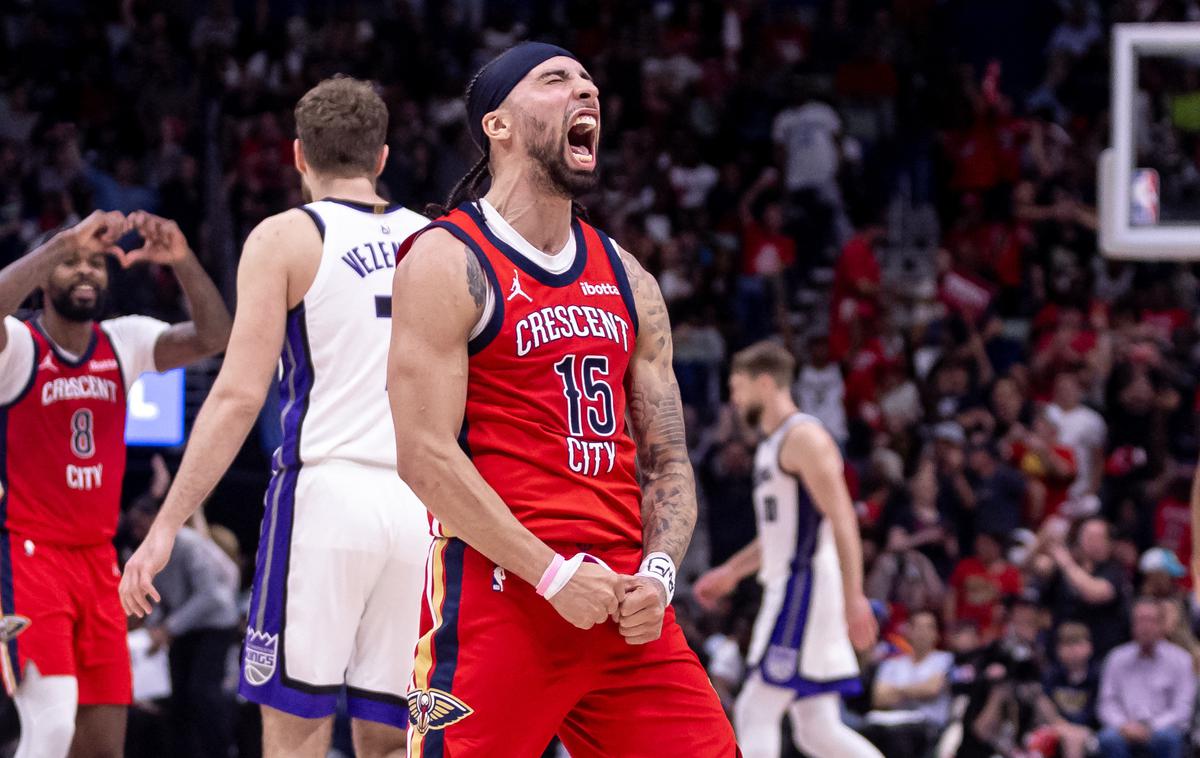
668,485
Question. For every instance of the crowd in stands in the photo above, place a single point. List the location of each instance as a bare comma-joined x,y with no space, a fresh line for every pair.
901,191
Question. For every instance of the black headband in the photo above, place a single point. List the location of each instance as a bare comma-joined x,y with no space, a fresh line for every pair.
498,77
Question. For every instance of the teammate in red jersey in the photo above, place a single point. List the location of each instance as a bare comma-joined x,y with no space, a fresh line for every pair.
63,383
519,333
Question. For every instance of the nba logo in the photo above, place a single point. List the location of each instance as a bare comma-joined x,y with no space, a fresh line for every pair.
261,654
1143,198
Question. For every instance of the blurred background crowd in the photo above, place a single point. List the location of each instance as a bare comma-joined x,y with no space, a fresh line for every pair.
902,191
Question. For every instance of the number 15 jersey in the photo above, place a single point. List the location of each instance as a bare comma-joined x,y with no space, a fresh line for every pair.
545,421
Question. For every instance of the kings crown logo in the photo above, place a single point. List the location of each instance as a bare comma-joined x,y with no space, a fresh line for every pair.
261,654
435,709
780,663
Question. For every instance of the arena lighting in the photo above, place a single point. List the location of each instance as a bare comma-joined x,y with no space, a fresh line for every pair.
155,410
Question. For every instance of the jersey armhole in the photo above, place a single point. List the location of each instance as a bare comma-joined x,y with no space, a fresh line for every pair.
492,328
621,277
33,369
126,386
321,272
793,421
316,217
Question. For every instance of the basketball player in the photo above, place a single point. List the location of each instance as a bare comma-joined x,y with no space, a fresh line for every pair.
809,560
520,332
64,383
340,567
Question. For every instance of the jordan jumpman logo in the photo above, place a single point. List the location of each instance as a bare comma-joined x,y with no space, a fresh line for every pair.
516,288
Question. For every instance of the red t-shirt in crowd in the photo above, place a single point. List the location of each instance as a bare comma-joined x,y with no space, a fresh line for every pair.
862,376
979,592
1165,321
1028,463
986,154
765,252
1173,527
857,266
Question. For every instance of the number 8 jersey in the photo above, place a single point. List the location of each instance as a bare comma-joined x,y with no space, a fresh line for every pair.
62,443
545,421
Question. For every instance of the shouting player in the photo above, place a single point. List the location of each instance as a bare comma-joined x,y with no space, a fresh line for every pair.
809,560
337,586
520,331
64,381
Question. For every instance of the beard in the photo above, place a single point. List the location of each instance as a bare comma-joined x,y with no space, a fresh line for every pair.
555,175
72,311
752,415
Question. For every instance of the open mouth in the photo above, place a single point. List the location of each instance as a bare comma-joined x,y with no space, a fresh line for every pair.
84,291
581,138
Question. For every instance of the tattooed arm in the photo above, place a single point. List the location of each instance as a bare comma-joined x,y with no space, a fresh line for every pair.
668,486
438,294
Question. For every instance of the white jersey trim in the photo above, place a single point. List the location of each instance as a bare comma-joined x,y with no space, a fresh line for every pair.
133,339
554,264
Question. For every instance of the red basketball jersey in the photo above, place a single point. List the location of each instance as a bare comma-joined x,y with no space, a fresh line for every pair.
545,420
62,446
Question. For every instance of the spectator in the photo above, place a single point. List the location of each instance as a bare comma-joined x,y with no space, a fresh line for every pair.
1147,691
197,623
855,302
913,686
998,491
1080,428
725,471
1004,701
979,584
1077,33
121,191
1162,574
807,137
1011,408
1072,685
956,497
1003,351
766,252
690,178
1048,465
899,400
914,521
821,391
1173,517
906,581
1085,584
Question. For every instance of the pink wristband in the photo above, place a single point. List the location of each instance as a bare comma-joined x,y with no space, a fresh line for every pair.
549,574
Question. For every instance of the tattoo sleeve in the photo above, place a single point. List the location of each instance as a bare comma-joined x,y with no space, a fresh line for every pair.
668,485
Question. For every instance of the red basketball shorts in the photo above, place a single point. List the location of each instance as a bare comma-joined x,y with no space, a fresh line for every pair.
498,673
76,625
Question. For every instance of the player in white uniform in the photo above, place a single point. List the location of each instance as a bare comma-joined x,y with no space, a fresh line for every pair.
341,558
808,556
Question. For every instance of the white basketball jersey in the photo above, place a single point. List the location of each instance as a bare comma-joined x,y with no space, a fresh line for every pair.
789,524
334,401
800,635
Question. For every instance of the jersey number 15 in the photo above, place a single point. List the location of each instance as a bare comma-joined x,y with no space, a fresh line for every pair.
590,384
